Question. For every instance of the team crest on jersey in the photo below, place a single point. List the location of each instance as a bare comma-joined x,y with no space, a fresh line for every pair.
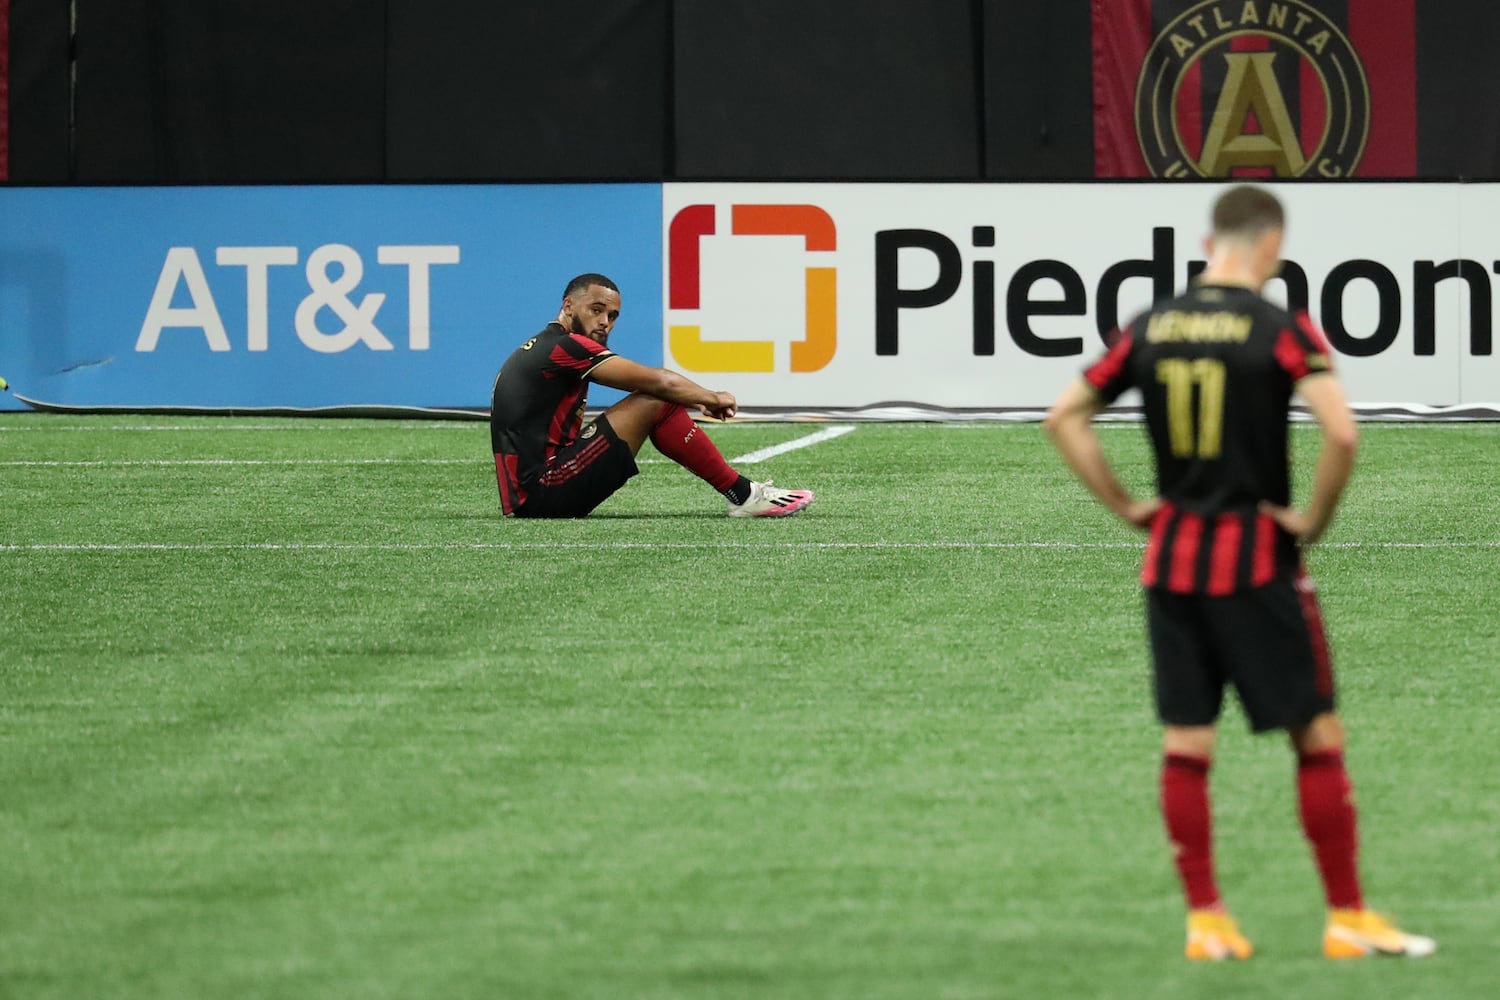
589,431
1252,88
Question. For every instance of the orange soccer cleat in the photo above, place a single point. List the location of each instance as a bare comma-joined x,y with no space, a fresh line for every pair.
1213,936
1362,933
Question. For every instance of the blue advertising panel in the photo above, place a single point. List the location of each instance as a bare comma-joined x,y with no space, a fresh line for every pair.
306,297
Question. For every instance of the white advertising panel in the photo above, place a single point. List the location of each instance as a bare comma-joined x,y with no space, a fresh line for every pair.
992,296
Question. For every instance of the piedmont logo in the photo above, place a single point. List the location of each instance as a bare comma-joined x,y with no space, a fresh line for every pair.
684,288
1252,88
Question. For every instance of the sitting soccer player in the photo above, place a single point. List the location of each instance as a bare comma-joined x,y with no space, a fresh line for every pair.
550,464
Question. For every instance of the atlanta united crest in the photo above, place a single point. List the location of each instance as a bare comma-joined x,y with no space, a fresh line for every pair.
1252,88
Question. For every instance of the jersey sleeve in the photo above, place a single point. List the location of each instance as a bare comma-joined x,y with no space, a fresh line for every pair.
1302,348
1110,375
574,357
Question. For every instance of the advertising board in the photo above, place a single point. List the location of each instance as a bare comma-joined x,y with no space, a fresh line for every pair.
305,297
832,296
992,296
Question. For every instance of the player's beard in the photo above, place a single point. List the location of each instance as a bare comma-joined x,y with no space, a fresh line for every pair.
576,325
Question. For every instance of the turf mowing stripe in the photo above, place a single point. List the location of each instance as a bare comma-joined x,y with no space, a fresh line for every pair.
603,546
312,425
826,434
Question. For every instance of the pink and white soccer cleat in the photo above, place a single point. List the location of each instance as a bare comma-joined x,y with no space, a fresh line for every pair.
767,500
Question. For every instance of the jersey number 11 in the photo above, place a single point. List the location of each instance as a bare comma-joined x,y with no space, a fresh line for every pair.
1204,437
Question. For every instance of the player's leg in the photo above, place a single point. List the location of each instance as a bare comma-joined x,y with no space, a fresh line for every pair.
1212,934
638,418
671,428
1284,676
1189,694
1330,820
634,418
1325,804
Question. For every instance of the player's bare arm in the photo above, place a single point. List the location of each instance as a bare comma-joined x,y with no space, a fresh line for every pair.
664,384
1070,426
1324,396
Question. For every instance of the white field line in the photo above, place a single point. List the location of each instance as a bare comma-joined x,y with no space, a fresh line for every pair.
806,441
156,462
750,458
551,546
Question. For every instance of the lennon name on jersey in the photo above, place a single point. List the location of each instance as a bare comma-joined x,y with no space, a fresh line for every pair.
1174,326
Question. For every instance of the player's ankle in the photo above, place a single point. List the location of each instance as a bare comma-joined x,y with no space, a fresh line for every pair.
739,492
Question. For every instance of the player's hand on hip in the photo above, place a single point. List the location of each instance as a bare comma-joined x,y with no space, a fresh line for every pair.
1294,521
1140,513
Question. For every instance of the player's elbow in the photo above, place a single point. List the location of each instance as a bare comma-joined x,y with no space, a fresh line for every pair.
1049,423
1060,421
1071,412
1344,438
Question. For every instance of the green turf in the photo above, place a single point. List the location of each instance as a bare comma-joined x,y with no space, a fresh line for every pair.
326,729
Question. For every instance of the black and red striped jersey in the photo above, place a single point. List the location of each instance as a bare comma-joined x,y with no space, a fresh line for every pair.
1216,368
536,407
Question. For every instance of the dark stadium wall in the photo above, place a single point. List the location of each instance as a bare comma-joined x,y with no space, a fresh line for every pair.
516,91
1458,90
230,91
1038,97
772,89
37,92
226,91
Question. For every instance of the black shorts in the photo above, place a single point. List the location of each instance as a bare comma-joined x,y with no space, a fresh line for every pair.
1268,642
584,475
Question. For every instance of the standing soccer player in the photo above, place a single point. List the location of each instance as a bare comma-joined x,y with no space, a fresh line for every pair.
1227,599
550,464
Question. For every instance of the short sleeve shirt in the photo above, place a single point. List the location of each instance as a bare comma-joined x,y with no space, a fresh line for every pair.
538,400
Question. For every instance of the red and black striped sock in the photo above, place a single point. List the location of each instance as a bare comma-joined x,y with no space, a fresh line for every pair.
1185,807
677,437
1326,804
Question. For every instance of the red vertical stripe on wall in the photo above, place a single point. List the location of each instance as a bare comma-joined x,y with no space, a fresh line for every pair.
1385,36
1121,36
1314,108
4,90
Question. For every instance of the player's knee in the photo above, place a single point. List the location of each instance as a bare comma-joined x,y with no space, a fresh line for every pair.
667,411
1193,741
1323,734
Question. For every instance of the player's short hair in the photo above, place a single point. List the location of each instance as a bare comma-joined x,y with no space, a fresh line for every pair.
1247,211
583,281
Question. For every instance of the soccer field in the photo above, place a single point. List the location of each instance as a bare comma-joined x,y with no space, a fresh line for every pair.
288,710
